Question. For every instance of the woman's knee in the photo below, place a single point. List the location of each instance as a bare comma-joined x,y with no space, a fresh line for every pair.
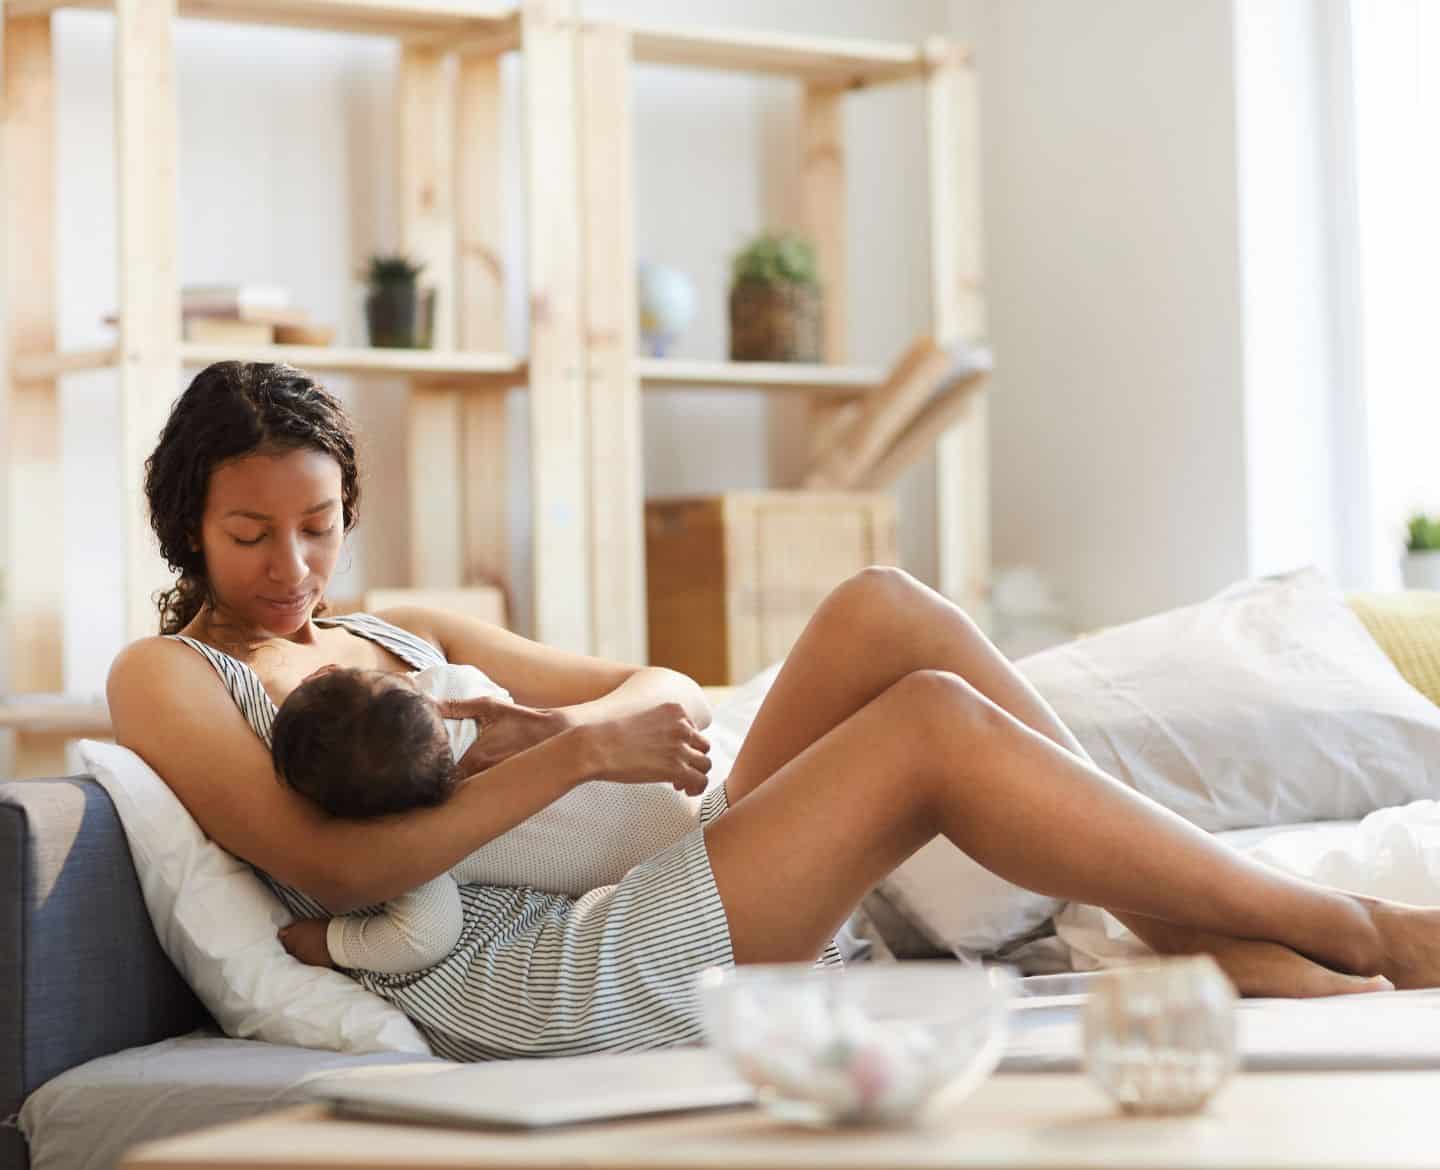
936,705
873,595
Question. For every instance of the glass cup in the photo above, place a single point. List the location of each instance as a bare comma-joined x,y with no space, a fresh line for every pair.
1160,1036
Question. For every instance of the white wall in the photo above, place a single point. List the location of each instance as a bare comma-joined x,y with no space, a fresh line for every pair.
1109,147
285,141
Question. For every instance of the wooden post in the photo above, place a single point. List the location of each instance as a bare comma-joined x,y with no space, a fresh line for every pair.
558,406
480,213
426,148
426,173
33,581
823,219
149,283
958,308
617,539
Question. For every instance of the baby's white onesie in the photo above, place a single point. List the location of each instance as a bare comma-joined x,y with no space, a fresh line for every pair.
591,837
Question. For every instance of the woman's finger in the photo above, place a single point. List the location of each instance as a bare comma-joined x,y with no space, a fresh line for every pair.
696,761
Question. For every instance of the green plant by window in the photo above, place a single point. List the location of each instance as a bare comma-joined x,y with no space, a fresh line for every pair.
1424,533
385,271
776,258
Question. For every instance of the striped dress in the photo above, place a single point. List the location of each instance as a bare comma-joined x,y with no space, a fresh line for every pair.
537,974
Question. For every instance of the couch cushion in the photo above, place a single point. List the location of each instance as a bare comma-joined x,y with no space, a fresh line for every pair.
81,973
1407,627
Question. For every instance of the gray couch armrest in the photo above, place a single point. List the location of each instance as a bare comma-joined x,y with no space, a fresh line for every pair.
81,971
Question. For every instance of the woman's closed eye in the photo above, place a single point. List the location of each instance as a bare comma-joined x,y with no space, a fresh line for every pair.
308,532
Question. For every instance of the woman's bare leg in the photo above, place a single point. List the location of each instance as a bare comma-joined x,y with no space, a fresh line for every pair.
883,624
872,631
931,753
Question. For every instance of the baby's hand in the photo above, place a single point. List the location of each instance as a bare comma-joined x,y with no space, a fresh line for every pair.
305,939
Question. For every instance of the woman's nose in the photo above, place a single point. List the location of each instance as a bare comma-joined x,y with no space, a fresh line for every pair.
287,565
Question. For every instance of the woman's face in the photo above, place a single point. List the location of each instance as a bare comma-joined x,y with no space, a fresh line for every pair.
271,531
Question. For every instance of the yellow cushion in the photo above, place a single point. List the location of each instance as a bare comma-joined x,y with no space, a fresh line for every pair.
1407,627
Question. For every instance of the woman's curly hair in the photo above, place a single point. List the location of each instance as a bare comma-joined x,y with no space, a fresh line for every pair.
230,410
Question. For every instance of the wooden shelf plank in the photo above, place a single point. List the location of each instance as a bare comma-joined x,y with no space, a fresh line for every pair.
396,18
500,369
796,377
54,715
818,60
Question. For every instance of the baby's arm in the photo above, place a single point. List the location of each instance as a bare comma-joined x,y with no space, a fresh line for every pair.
410,933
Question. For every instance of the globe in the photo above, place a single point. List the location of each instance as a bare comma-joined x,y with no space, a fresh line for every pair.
667,305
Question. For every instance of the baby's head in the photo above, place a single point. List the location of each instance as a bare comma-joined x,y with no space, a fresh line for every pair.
362,743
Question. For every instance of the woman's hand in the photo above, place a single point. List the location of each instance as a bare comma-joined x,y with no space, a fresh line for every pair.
656,744
506,729
305,939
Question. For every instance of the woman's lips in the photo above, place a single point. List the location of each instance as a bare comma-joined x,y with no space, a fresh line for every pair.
288,604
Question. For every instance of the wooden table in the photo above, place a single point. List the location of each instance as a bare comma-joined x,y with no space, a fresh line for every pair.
1310,1121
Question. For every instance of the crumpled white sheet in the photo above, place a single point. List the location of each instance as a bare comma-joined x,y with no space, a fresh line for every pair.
1392,853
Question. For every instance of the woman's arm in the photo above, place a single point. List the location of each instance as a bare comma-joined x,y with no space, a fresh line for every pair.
590,690
169,706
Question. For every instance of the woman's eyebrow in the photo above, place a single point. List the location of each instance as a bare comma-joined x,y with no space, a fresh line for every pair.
266,516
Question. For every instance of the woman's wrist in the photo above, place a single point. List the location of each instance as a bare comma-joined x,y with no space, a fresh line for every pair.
585,742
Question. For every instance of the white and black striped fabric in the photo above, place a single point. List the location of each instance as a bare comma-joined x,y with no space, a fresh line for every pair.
536,974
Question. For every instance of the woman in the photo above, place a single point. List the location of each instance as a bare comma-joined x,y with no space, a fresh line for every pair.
893,720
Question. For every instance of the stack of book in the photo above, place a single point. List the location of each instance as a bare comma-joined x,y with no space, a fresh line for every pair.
247,314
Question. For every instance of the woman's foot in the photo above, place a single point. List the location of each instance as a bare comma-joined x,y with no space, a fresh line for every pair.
1272,970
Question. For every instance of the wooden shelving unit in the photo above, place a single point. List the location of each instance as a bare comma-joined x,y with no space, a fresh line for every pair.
583,372
827,73
448,105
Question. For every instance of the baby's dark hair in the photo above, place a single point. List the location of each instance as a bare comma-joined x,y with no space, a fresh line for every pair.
359,746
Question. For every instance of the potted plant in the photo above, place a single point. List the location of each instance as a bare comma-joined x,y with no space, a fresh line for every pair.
398,312
775,301
1421,569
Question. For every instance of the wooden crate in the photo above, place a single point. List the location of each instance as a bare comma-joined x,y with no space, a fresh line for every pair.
732,579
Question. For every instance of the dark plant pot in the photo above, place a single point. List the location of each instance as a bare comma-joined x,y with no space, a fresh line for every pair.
400,316
775,322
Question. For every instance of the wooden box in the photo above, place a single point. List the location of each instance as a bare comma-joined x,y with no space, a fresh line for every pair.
732,579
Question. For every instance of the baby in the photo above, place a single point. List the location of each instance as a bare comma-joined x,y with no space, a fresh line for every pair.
364,743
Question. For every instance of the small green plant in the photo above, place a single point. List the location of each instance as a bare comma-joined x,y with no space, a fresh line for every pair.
776,258
1424,533
386,271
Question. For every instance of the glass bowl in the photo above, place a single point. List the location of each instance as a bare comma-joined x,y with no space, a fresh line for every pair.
867,1045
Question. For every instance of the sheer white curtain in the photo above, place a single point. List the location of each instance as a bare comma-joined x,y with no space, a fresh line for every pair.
1387,51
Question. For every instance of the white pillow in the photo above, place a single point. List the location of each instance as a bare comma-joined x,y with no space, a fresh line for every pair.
1268,704
217,921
